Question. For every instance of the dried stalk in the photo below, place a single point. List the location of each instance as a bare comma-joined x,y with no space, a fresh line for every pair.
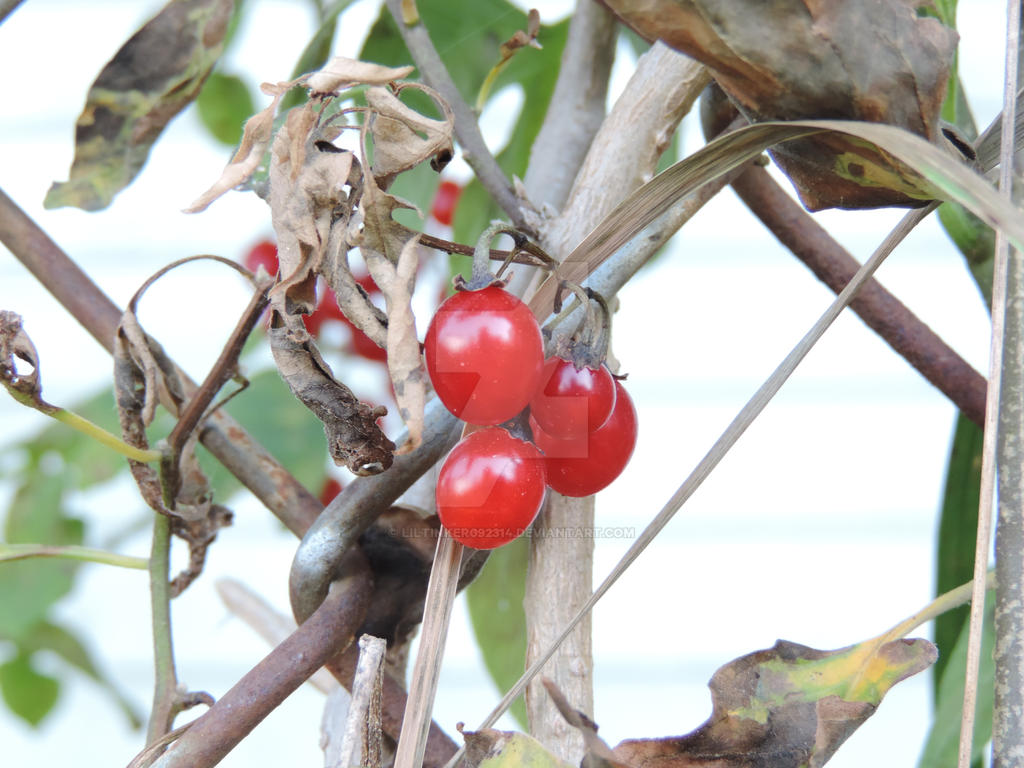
362,742
1008,715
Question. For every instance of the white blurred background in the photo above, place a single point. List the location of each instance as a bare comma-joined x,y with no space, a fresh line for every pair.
819,527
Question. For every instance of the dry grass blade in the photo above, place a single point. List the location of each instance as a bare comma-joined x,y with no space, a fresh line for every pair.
941,176
737,427
437,612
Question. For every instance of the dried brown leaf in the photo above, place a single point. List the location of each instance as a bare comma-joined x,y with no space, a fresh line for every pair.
795,60
255,139
16,345
352,299
405,363
341,72
353,437
402,137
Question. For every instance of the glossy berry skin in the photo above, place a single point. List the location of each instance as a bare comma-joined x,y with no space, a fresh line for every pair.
484,355
572,402
490,488
583,466
263,254
445,200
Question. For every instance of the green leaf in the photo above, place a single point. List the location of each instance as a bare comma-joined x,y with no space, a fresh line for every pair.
154,76
272,415
50,637
224,105
467,36
942,744
958,527
29,694
495,600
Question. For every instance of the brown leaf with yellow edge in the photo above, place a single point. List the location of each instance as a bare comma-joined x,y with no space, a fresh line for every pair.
831,59
786,706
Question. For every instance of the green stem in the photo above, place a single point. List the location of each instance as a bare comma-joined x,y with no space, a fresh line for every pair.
945,602
9,552
165,690
101,435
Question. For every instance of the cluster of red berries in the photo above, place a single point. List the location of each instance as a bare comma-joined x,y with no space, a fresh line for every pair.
485,357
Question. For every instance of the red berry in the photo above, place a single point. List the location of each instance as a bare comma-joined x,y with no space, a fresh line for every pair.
263,254
484,355
571,401
331,488
490,488
581,467
445,200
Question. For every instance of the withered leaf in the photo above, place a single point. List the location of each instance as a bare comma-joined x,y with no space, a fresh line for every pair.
380,232
402,137
353,437
341,72
15,345
155,75
255,139
792,60
786,706
489,748
405,363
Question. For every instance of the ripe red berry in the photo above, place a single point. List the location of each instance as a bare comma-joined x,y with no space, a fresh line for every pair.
263,254
445,200
484,355
490,488
583,466
571,401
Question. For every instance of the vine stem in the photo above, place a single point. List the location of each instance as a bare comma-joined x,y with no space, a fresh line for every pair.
100,435
165,691
9,552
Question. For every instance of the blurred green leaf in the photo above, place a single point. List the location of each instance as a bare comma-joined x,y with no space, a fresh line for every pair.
272,415
50,637
224,105
29,694
958,527
942,744
495,600
155,75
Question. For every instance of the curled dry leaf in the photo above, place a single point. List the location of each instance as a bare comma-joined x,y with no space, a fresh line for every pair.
402,137
405,363
15,345
255,139
353,438
795,60
341,72
155,75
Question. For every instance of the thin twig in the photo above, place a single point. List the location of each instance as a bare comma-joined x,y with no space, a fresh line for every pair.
283,670
879,309
1008,713
577,105
467,129
246,459
165,690
732,433
7,7
10,552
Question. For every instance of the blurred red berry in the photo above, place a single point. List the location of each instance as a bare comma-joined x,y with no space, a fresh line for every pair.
330,489
445,200
263,254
